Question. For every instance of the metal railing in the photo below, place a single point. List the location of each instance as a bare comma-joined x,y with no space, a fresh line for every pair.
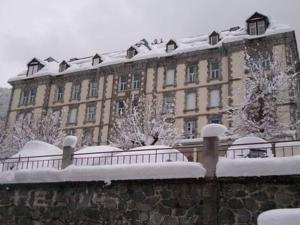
188,153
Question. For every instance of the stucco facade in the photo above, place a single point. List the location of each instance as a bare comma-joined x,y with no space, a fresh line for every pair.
229,57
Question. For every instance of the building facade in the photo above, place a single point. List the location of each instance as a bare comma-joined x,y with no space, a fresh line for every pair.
196,78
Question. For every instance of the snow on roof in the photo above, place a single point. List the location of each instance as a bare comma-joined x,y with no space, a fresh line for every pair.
147,51
279,217
257,167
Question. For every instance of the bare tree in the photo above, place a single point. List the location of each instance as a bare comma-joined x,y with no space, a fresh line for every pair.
143,122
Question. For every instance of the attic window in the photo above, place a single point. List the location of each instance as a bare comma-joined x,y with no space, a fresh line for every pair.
214,38
63,66
33,68
131,52
171,46
96,60
257,24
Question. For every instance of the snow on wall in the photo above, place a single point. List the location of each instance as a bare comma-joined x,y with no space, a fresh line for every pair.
158,50
280,217
169,170
256,167
213,130
70,141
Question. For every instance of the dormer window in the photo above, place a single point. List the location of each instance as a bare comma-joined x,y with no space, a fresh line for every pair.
214,38
171,46
131,52
63,66
96,60
257,24
33,67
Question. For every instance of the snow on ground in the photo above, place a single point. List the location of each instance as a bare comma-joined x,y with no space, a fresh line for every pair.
169,170
213,130
241,147
95,155
280,217
249,167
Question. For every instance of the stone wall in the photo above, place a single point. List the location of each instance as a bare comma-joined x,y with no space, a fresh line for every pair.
167,202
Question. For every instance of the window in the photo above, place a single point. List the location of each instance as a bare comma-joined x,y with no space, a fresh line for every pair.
93,86
71,132
213,70
122,83
170,77
261,27
257,28
168,104
171,47
136,82
214,98
87,137
214,39
191,74
90,113
63,66
190,129
266,64
214,119
96,60
191,101
252,28
131,52
59,94
72,118
76,92
32,69
28,97
56,117
120,106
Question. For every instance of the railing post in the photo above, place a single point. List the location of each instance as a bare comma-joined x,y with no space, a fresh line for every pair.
68,151
210,155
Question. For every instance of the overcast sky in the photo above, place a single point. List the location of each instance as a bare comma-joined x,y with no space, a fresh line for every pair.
65,29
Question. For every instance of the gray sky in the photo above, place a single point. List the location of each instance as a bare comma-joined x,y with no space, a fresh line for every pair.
76,28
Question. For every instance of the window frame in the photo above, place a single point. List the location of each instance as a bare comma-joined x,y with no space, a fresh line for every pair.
194,79
69,115
93,89
90,116
122,84
168,106
187,94
210,98
59,96
76,92
136,83
214,73
190,128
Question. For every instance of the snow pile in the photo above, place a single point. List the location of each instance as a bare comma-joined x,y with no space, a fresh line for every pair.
34,154
70,141
213,130
242,147
249,167
170,170
95,155
280,217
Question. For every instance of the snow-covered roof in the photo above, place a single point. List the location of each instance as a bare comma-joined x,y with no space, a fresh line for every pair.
145,50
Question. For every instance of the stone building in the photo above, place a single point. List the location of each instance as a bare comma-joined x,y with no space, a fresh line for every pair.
194,77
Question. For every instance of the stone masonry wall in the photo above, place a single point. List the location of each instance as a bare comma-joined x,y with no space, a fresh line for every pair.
122,203
167,202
